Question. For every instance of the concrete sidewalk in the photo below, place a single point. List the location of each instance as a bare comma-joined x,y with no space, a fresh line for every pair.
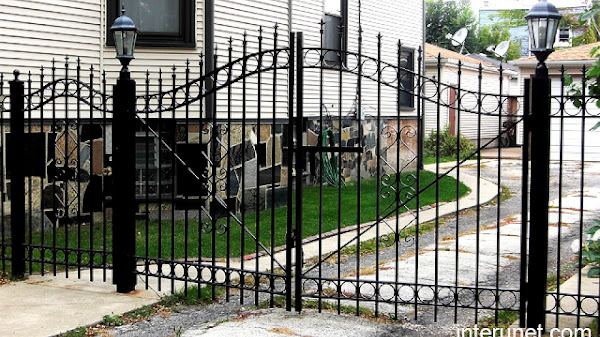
510,153
49,305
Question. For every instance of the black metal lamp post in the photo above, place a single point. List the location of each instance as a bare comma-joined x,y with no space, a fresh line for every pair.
542,19
124,175
125,34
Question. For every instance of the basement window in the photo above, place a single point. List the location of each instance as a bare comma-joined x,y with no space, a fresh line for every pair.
161,23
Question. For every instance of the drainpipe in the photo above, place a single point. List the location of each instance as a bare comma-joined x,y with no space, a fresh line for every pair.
209,48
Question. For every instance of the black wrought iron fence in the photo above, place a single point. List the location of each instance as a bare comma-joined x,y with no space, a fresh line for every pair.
318,175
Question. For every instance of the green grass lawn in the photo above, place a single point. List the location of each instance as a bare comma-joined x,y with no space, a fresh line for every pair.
312,223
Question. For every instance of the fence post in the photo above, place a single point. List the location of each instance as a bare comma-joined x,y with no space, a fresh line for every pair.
539,124
124,203
300,164
17,185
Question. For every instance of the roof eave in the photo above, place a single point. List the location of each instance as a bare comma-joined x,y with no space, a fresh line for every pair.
533,64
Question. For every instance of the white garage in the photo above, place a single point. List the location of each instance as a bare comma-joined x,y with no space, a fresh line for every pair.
570,129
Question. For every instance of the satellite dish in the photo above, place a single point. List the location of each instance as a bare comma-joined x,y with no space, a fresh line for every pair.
502,49
490,49
458,39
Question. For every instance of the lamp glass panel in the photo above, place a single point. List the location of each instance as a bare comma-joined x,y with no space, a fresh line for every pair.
533,32
543,33
118,36
128,42
552,27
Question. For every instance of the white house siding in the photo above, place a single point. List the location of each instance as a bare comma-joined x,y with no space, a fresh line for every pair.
232,19
395,21
571,131
469,118
33,32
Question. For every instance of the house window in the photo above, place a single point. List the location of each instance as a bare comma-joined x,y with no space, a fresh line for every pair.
407,78
153,163
564,34
335,32
161,23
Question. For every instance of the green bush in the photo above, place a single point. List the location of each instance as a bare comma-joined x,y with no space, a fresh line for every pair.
591,250
448,144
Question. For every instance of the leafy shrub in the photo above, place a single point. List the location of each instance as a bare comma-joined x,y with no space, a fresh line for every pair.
448,144
591,250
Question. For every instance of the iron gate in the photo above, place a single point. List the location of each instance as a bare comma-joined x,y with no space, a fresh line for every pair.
308,180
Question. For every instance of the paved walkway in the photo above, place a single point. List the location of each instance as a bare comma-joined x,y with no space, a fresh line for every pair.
79,302
48,305
513,153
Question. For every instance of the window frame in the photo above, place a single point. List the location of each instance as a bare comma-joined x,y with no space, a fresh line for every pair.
566,30
186,38
409,53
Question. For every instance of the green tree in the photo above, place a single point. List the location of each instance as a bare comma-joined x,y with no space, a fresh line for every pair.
492,35
512,18
447,18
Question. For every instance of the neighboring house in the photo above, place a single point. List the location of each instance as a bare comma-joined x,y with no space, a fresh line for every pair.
573,59
490,11
490,89
34,33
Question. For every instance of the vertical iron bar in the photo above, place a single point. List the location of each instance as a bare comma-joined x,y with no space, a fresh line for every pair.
229,98
257,196
289,237
499,203
300,164
457,106
560,188
17,186
215,159
437,186
172,264
273,144
398,176
359,163
378,129
159,159
29,181
420,132
204,170
92,158
78,145
104,162
147,183
243,170
186,224
55,169
67,135
322,134
42,215
581,187
478,209
524,205
339,182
